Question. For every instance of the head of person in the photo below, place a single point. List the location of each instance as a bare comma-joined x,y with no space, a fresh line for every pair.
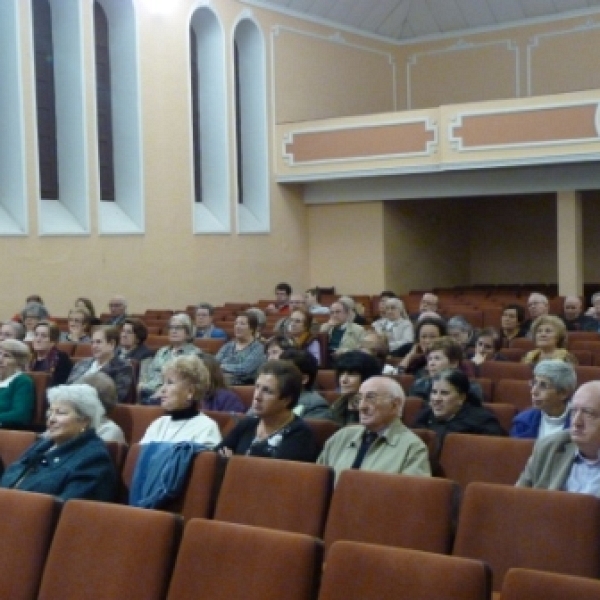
307,365
14,357
261,320
429,303
117,306
460,330
354,367
32,314
339,313
376,345
383,298
45,337
277,389
513,316
12,330
133,333
381,401
596,304
394,309
185,382
283,291
572,308
537,304
105,388
488,342
181,330
549,333
299,322
204,315
216,381
72,409
79,319
276,345
245,326
312,297
349,303
427,330
449,391
585,419
297,301
444,353
34,298
86,303
553,383
104,342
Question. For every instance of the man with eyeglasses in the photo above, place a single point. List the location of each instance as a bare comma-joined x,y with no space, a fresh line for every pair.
570,460
118,311
381,442
537,305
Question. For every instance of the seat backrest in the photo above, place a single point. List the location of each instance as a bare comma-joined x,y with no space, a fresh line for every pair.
322,429
392,510
466,458
513,354
326,379
430,439
40,379
505,413
118,453
513,391
13,444
522,342
509,526
245,394
134,419
82,350
266,563
103,550
497,370
356,571
26,528
412,407
225,421
585,374
487,387
279,494
525,584
209,345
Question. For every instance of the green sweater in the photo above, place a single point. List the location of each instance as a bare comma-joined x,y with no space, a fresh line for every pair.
17,401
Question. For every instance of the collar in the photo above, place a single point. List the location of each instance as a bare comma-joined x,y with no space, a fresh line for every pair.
6,382
183,413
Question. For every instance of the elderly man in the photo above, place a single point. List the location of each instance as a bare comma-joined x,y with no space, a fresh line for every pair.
204,323
281,306
296,301
343,334
570,460
537,305
429,303
574,318
118,311
397,327
381,442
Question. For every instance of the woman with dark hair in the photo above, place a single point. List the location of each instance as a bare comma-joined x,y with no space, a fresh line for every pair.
47,357
241,358
453,408
274,431
276,345
487,347
131,340
427,330
512,320
352,369
218,396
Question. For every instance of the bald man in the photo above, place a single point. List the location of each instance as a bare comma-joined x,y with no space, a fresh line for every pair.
574,318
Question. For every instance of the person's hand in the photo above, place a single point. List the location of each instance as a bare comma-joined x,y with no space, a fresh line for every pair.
271,309
226,452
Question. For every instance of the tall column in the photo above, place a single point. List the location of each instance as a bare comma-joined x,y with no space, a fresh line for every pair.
570,243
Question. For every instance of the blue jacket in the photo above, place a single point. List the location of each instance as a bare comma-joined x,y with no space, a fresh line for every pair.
527,424
161,472
80,468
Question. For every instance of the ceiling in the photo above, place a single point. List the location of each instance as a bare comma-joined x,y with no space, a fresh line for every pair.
404,20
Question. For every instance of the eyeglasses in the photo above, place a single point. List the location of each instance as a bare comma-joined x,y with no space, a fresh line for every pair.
175,327
543,386
586,413
370,398
71,320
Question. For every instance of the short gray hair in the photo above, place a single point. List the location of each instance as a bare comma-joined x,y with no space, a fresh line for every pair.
560,373
184,320
18,329
459,322
82,398
19,351
36,310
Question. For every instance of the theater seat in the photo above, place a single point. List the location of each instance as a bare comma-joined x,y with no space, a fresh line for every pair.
526,584
13,444
513,391
497,370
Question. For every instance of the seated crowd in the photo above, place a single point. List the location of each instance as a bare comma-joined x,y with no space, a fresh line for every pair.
443,357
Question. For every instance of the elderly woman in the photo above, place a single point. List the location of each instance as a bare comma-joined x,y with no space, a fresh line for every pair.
79,324
185,383
453,409
299,325
31,315
427,330
550,337
444,353
512,323
70,461
218,396
351,369
17,393
12,330
461,331
274,431
47,357
553,383
104,358
181,337
241,358
343,334
106,389
396,326
131,340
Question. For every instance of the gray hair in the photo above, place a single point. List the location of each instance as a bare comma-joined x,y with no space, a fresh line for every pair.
459,322
397,303
595,297
206,306
347,302
36,310
105,388
561,374
18,329
184,320
82,398
260,316
19,351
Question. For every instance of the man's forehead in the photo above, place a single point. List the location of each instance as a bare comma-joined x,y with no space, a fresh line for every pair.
588,395
374,385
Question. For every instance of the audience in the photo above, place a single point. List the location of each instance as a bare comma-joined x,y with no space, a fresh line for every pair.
17,393
70,460
415,354
79,324
553,383
274,431
550,337
132,339
343,334
396,326
185,382
538,306
47,357
31,315
573,316
299,332
283,291
106,389
312,301
204,323
381,442
12,330
219,396
118,310
513,324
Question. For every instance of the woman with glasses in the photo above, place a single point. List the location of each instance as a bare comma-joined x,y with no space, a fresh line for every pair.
79,323
553,383
299,325
550,336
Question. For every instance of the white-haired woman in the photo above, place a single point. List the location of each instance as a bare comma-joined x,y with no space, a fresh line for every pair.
70,461
396,326
17,393
181,337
